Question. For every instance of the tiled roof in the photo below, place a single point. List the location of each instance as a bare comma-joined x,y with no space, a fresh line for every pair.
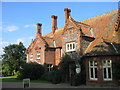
102,27
57,37
104,48
85,27
49,41
102,24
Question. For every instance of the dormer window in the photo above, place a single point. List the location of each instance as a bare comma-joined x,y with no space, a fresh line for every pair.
31,56
70,46
38,55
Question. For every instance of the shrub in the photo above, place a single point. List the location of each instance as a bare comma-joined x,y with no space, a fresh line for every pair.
47,76
33,71
56,77
53,76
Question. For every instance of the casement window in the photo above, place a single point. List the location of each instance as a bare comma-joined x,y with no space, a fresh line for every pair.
38,55
107,70
70,46
49,67
93,70
31,56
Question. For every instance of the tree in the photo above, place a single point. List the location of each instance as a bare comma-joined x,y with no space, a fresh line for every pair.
12,59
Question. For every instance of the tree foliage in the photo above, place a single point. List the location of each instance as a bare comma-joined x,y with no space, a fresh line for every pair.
64,66
12,59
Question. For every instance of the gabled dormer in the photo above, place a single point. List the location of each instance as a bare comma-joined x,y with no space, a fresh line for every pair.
35,52
76,35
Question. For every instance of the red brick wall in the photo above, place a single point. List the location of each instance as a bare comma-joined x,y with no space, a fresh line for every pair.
37,45
50,56
57,56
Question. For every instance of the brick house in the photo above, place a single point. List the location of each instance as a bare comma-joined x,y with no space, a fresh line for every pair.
96,40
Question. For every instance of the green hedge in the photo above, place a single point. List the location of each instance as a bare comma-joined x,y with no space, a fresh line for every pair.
33,71
53,76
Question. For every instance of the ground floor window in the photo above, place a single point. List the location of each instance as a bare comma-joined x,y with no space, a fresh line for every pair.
49,67
107,69
93,70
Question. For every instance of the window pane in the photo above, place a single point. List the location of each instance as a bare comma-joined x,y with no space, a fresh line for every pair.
95,63
105,73
104,63
95,72
67,46
73,45
109,72
91,69
38,55
91,63
70,46
108,63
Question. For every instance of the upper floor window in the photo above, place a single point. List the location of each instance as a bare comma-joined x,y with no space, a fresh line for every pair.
31,56
70,46
107,69
93,70
38,55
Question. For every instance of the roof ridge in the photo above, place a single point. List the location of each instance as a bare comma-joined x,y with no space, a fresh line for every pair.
99,15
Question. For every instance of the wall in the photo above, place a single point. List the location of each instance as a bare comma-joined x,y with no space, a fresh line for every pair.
100,81
37,45
50,56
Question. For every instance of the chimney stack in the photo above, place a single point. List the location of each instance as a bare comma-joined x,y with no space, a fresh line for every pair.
39,28
67,14
54,23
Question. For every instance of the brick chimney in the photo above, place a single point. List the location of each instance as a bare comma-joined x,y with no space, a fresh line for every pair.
38,29
54,23
67,14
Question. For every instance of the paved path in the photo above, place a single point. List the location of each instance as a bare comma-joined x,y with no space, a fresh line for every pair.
42,85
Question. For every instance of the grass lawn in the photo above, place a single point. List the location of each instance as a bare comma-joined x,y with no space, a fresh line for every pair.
14,79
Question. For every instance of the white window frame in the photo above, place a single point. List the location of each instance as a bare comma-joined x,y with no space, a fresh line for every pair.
93,63
68,48
49,67
31,56
38,54
106,66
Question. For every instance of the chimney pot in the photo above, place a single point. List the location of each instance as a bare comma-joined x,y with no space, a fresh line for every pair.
38,27
54,23
67,14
